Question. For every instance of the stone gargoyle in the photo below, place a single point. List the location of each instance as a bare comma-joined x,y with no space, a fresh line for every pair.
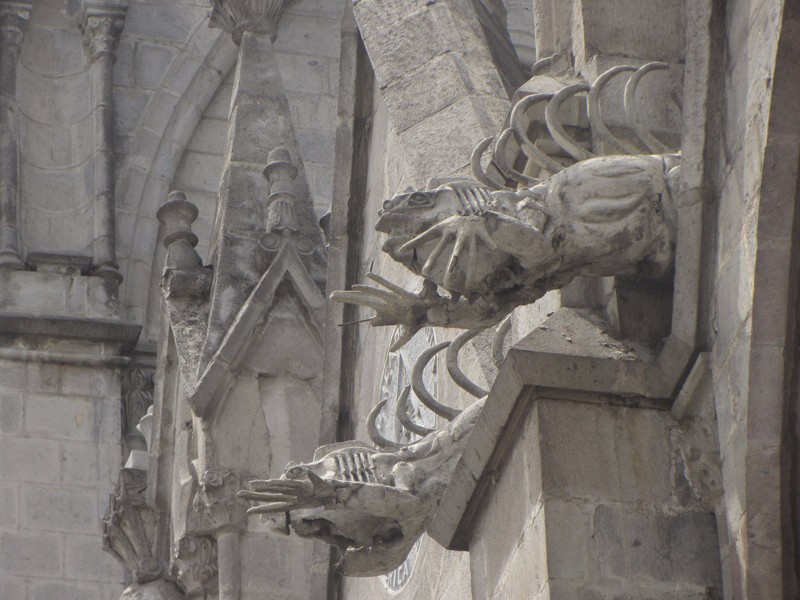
494,247
372,504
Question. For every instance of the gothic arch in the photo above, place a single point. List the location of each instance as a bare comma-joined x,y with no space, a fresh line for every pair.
172,115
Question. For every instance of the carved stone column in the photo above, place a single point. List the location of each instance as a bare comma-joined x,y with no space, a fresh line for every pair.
102,24
13,21
225,513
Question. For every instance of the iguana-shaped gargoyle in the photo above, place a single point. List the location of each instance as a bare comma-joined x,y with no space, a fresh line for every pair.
492,250
372,504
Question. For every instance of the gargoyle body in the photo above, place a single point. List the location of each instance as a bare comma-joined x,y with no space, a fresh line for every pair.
372,504
495,250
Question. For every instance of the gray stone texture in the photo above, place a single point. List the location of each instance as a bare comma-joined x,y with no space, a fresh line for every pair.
594,501
59,457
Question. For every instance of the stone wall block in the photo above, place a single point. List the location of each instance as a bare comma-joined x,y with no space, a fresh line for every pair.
310,35
167,22
152,62
527,573
451,131
10,412
32,554
47,590
315,146
633,544
313,111
647,30
50,508
9,515
12,373
252,126
60,417
29,459
85,560
428,89
305,74
13,587
569,539
209,137
411,42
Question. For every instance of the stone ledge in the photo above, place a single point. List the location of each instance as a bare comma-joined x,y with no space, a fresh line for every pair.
567,354
95,330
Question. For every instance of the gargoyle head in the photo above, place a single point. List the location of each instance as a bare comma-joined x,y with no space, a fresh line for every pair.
414,211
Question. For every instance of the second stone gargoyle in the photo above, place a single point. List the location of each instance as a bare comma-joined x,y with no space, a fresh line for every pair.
372,504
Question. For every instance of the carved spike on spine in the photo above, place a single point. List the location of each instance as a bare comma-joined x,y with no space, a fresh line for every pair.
632,110
455,371
238,16
418,383
499,341
405,420
374,434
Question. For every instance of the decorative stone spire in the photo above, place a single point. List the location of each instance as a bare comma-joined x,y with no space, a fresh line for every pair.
238,16
184,274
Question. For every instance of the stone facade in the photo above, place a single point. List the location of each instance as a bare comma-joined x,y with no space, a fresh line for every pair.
168,337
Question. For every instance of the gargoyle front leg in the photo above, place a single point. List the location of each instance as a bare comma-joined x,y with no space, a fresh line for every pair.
279,495
392,305
464,232
397,306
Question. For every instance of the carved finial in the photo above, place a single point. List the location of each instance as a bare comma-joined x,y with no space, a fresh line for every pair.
184,274
282,225
177,215
238,16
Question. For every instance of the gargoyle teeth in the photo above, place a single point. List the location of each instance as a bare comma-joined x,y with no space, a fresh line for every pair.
405,420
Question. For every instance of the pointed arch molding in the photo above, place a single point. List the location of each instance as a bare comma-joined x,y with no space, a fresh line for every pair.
212,55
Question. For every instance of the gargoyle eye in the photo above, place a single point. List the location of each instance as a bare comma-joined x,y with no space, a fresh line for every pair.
419,200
